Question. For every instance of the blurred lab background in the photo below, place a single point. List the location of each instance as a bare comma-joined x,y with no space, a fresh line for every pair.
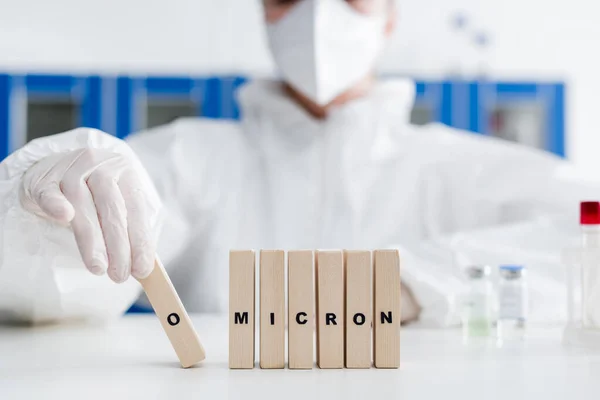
521,70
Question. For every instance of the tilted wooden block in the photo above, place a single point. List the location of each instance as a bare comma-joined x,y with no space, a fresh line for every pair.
330,309
272,309
386,310
358,275
300,309
173,317
241,309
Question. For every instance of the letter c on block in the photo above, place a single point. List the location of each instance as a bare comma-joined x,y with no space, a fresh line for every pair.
300,321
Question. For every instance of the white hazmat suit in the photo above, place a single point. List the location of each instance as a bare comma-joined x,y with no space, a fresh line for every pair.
363,178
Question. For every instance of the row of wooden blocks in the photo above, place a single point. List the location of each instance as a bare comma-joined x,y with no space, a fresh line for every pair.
354,294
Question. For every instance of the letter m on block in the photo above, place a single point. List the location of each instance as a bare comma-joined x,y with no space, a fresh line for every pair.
241,318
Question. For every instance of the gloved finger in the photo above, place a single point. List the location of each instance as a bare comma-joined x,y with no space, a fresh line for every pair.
85,224
112,215
143,248
51,202
40,192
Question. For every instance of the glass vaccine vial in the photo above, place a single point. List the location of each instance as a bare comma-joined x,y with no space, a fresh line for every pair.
512,302
478,307
590,265
583,273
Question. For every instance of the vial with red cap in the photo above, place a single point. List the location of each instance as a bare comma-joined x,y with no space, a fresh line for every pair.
583,273
590,265
590,213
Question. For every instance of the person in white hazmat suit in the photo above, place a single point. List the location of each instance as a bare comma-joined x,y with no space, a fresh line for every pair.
324,159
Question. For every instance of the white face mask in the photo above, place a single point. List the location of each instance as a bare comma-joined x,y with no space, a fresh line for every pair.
323,47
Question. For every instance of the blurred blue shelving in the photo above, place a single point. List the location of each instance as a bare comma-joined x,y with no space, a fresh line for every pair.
38,105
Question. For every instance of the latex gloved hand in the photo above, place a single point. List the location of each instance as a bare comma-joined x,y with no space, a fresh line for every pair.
108,204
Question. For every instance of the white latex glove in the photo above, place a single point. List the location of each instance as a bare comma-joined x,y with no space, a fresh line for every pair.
108,205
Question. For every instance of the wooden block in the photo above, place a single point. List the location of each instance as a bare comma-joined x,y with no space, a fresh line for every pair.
357,275
241,309
173,317
386,310
300,309
272,309
330,309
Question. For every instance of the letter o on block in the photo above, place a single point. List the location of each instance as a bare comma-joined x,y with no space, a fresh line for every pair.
359,319
173,319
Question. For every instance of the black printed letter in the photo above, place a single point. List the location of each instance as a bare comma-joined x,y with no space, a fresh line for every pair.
330,319
298,320
359,319
241,318
173,319
386,318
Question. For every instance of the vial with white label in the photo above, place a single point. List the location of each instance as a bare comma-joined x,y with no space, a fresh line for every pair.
512,302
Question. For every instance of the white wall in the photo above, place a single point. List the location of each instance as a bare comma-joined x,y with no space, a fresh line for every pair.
531,39
132,35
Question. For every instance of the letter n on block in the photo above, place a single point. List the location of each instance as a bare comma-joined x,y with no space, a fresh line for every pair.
330,309
241,309
386,309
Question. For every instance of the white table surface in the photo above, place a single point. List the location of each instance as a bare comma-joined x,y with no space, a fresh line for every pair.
132,358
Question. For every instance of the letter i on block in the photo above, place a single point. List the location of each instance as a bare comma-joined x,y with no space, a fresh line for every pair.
300,309
241,309
358,309
330,309
272,309
386,310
